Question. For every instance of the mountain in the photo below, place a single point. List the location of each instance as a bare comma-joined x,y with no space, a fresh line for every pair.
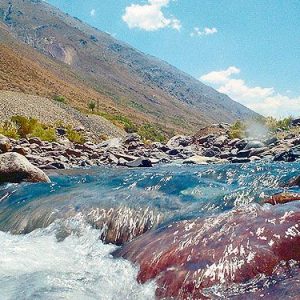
86,64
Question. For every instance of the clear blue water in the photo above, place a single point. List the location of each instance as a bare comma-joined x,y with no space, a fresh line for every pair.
61,257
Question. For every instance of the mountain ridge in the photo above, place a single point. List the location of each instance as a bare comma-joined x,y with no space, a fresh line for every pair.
137,84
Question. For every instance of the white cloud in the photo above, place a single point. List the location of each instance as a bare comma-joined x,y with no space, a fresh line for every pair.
150,16
218,77
93,12
264,100
206,31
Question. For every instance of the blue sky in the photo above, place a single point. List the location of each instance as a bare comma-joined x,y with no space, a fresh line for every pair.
249,49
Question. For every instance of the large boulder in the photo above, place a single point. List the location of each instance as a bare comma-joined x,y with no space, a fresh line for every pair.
5,144
15,168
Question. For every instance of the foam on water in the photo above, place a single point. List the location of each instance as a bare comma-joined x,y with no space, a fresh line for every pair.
40,266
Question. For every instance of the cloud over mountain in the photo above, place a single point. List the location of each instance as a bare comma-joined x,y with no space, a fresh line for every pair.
150,16
264,100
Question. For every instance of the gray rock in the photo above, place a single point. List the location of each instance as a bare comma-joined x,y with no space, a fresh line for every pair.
113,159
254,144
125,156
173,152
209,153
73,152
240,160
220,141
16,168
205,138
112,143
272,140
36,141
241,144
233,142
122,162
132,137
140,162
258,151
243,153
179,140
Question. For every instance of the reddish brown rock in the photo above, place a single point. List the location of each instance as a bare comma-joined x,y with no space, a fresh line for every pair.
282,198
191,259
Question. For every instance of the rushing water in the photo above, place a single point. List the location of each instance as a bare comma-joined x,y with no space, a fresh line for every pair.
50,246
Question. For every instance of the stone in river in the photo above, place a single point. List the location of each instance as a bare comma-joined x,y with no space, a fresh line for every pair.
140,162
16,168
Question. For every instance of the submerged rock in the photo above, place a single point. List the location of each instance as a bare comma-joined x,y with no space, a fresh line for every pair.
193,259
16,168
122,224
293,182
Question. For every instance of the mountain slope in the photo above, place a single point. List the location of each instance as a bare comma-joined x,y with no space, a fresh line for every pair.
137,85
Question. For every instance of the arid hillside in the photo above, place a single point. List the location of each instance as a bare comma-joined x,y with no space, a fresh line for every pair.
82,63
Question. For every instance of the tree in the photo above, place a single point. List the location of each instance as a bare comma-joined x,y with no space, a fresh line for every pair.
92,105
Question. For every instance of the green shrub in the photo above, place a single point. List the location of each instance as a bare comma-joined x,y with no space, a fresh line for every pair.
92,105
25,125
152,133
237,130
285,124
44,133
10,130
20,126
75,136
120,121
59,98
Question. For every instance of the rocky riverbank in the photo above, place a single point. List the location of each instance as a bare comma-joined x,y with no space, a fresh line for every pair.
210,145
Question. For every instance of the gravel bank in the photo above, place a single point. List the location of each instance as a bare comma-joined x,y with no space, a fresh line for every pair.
50,112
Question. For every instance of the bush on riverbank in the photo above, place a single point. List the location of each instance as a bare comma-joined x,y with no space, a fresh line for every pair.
22,127
75,136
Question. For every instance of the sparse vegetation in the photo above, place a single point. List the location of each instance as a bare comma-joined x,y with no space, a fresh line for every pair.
92,105
152,133
75,136
283,124
23,127
59,98
146,131
237,130
9,129
120,121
